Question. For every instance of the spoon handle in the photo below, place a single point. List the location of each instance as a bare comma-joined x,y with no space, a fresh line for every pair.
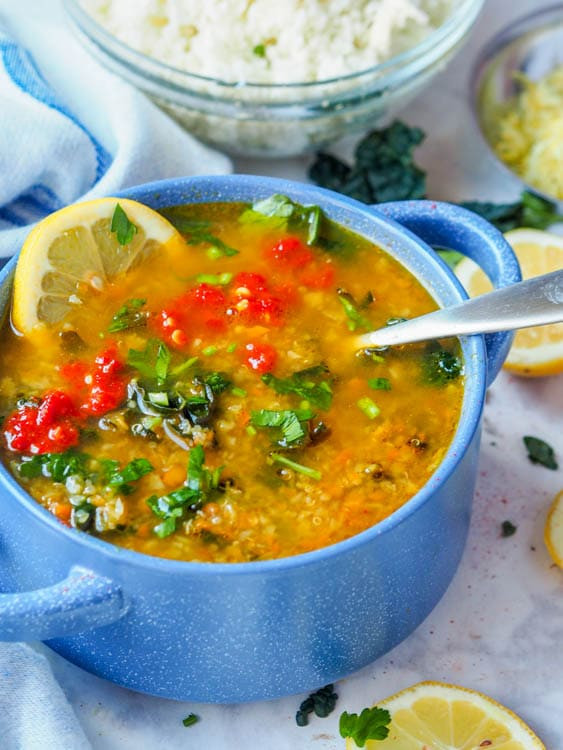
534,302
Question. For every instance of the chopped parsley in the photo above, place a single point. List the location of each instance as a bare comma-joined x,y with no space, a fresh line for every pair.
153,362
441,366
540,452
322,703
200,487
352,310
190,720
281,211
287,422
128,316
371,724
124,229
57,466
214,279
121,479
310,384
379,384
507,529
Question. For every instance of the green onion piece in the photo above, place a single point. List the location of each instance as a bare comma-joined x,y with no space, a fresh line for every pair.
179,369
190,719
238,391
231,348
159,398
214,253
250,430
369,407
215,279
306,470
209,350
379,384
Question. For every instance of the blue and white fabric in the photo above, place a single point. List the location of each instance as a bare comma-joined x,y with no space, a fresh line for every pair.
71,130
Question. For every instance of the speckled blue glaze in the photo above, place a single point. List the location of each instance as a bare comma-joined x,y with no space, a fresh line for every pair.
251,631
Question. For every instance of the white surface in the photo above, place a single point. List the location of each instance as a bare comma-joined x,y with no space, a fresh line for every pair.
499,628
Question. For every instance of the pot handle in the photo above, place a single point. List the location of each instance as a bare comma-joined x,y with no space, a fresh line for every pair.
83,600
449,226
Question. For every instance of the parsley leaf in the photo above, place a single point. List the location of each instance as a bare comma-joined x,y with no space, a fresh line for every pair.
440,366
129,315
289,423
351,308
299,468
379,384
152,362
304,384
281,211
121,479
124,229
540,452
371,724
57,466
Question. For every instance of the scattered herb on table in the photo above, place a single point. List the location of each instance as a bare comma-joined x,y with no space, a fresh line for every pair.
507,528
129,316
259,50
530,211
124,229
190,720
384,170
321,703
540,452
370,724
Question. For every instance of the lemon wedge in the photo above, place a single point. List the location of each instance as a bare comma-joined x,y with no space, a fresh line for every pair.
437,716
74,250
553,532
536,351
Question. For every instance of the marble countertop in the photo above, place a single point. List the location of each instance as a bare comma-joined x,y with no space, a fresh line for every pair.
499,628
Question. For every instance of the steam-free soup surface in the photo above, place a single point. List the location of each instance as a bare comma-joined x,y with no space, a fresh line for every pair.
208,405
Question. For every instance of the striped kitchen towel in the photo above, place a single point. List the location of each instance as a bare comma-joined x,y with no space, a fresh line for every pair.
71,130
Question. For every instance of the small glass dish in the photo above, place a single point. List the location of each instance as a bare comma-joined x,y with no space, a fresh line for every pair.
532,46
280,119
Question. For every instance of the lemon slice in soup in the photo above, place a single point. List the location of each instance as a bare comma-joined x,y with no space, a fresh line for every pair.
83,246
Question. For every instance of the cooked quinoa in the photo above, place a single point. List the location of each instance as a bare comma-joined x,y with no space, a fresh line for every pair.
267,41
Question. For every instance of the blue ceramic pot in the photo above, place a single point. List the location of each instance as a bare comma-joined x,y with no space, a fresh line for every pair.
252,631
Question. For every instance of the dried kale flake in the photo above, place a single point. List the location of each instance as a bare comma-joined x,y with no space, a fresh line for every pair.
508,528
322,703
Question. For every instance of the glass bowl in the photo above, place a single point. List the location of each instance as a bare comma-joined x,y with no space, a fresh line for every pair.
275,120
533,46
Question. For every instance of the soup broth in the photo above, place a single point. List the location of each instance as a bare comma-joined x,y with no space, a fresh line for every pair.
209,406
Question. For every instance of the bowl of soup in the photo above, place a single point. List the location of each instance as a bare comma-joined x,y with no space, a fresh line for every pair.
207,493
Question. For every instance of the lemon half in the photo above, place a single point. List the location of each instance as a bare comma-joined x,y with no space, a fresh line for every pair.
437,716
553,532
74,250
538,350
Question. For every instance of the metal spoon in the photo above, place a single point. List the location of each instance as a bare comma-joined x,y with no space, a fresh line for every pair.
535,302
